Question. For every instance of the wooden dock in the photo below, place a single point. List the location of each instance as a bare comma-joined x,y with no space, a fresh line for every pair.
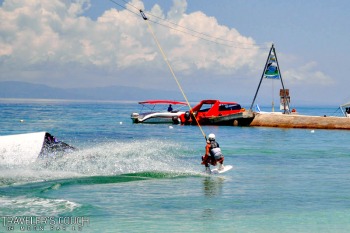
300,121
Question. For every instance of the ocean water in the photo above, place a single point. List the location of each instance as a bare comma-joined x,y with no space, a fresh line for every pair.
128,177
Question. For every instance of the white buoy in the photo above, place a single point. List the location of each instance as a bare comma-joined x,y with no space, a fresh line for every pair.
170,127
21,121
312,131
121,123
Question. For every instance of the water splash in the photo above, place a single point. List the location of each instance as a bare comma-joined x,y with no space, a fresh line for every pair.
122,157
107,159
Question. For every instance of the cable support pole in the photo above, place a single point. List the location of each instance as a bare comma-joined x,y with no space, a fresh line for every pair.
171,70
262,76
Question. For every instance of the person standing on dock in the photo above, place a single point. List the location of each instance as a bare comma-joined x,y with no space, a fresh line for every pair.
213,154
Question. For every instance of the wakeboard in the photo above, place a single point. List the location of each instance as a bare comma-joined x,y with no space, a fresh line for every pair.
226,168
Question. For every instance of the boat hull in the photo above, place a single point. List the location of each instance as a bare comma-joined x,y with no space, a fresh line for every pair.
238,119
157,118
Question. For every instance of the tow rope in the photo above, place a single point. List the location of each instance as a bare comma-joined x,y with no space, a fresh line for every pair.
172,71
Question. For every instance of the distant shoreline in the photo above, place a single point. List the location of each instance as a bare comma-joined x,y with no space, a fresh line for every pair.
40,100
52,100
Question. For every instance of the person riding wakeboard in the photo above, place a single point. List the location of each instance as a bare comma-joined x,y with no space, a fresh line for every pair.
213,154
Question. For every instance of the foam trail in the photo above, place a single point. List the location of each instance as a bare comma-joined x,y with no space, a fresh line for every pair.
35,206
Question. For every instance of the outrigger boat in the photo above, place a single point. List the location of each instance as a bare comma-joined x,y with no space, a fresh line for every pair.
159,111
215,112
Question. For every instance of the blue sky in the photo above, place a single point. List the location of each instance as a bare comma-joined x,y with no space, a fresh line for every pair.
100,43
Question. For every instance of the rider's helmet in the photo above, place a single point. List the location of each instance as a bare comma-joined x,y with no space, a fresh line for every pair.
211,137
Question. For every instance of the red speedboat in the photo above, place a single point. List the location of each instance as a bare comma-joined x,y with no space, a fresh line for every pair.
215,112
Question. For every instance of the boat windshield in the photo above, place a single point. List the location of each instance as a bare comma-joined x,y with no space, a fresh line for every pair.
205,107
228,107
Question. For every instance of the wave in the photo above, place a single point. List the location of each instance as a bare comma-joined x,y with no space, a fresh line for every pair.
41,187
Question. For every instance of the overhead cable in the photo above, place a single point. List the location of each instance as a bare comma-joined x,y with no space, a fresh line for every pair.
189,31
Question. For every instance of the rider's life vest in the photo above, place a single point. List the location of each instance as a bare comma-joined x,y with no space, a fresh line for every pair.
215,150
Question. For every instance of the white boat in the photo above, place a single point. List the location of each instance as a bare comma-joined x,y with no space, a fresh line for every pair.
159,111
345,108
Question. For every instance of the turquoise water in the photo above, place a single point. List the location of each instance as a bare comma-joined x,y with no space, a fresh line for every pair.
147,178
